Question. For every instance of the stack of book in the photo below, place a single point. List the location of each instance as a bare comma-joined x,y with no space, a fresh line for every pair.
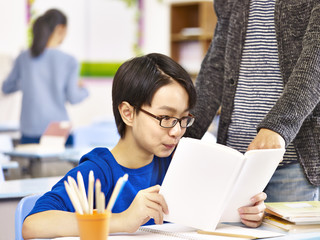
294,216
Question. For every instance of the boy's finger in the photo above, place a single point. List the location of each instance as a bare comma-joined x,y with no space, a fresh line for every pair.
156,215
159,199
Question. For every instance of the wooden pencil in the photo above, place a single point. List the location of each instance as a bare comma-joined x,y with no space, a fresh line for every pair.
82,191
90,191
73,198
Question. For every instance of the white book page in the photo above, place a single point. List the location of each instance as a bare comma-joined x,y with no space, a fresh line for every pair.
198,181
256,173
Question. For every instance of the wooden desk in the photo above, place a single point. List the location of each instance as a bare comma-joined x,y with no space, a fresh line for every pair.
34,158
33,155
9,165
10,194
12,130
74,155
9,127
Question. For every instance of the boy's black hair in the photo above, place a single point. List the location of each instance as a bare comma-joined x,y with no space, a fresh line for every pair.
137,80
43,28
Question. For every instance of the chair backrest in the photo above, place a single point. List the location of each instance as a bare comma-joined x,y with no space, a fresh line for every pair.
103,133
24,207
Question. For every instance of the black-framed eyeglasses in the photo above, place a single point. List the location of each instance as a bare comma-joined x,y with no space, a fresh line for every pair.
170,122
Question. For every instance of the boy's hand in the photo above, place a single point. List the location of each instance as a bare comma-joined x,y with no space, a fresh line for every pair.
147,204
252,216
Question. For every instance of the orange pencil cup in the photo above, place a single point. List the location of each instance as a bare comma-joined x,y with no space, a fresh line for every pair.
94,226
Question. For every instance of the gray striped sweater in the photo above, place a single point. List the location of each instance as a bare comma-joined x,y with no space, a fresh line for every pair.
296,114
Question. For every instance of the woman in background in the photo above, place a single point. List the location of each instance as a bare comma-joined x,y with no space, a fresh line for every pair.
47,77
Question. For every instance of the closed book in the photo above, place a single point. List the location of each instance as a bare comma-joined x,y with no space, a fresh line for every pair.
303,212
287,226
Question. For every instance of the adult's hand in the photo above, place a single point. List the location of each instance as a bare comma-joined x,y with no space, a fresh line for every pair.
267,139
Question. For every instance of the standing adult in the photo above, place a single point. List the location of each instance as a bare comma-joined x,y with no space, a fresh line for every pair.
47,77
263,69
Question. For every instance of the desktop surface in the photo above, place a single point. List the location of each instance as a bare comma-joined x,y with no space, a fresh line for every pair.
174,231
24,187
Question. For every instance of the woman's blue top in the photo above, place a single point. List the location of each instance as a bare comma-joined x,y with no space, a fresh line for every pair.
47,83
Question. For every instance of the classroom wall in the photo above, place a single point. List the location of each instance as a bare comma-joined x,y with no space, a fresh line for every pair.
156,26
98,30
92,36
12,27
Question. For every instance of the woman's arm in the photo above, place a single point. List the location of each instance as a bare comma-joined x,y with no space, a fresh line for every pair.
75,92
301,93
12,82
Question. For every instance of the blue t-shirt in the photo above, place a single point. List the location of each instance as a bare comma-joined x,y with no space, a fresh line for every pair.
105,168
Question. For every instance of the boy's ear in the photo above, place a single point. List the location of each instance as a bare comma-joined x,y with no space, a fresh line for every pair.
127,113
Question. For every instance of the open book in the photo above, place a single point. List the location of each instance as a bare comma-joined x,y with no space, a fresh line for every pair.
206,183
52,140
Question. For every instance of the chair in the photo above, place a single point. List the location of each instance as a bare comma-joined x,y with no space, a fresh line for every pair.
24,207
103,133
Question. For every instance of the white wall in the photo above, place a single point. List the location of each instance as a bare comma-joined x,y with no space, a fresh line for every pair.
12,40
156,16
98,30
74,42
12,26
112,31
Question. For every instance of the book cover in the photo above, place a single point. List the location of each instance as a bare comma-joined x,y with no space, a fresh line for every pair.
305,212
52,140
288,226
204,180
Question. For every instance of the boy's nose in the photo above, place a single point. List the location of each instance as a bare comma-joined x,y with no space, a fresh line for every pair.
176,130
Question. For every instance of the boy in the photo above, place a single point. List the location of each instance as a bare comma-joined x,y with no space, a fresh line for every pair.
152,96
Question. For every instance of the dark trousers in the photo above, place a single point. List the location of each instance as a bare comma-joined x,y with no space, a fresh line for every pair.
26,139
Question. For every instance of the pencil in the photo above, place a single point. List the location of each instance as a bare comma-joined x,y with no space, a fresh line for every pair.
116,191
226,234
83,196
98,191
73,198
102,203
74,187
90,191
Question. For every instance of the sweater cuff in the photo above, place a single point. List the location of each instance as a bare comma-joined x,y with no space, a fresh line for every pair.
282,131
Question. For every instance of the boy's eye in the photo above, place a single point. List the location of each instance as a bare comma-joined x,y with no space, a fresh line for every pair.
165,117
